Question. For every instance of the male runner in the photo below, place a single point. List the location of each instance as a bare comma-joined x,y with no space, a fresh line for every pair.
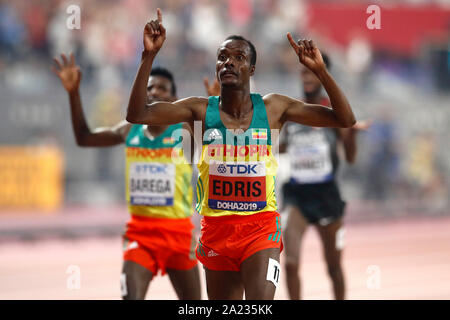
312,195
240,242
159,235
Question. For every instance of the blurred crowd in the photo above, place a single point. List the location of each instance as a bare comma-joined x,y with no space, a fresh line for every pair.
110,33
108,42
400,156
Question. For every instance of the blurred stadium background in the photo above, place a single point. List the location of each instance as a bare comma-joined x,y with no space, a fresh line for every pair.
58,200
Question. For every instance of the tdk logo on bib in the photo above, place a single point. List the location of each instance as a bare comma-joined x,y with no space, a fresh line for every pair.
222,168
238,168
151,168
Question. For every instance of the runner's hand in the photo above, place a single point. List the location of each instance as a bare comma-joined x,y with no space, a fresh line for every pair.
68,72
154,34
308,54
212,90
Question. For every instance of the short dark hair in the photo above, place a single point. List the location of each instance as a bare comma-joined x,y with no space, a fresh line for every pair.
326,60
250,44
163,72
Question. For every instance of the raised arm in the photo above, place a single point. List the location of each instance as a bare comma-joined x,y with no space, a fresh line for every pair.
339,115
157,113
70,75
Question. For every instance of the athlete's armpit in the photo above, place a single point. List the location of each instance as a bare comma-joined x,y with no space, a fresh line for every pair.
122,129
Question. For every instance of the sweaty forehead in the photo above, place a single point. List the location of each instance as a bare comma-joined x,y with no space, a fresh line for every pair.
235,45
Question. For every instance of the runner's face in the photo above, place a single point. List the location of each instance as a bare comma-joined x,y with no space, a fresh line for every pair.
311,84
233,67
159,89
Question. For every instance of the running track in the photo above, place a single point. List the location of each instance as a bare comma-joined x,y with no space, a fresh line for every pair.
412,257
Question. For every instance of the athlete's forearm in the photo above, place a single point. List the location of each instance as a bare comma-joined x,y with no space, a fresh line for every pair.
339,103
138,97
79,124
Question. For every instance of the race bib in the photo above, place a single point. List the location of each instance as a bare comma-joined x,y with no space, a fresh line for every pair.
151,184
311,163
237,186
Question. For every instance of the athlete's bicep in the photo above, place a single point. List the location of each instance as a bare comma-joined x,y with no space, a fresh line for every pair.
290,109
164,113
311,115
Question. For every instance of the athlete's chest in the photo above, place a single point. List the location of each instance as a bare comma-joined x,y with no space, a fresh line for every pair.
236,125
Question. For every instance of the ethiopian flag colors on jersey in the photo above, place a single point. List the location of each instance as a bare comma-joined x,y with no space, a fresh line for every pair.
236,171
158,177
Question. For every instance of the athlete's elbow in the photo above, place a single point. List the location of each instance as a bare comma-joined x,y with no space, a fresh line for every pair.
348,122
133,118
86,140
82,142
132,113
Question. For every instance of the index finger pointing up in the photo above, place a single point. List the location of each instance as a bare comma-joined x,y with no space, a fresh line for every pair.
292,42
159,13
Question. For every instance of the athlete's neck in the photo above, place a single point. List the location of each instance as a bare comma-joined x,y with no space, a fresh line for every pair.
235,102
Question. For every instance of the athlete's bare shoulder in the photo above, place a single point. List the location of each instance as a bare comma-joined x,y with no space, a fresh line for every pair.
193,101
271,97
279,100
276,105
198,106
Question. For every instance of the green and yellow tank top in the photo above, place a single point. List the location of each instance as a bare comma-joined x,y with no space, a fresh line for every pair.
236,171
158,176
